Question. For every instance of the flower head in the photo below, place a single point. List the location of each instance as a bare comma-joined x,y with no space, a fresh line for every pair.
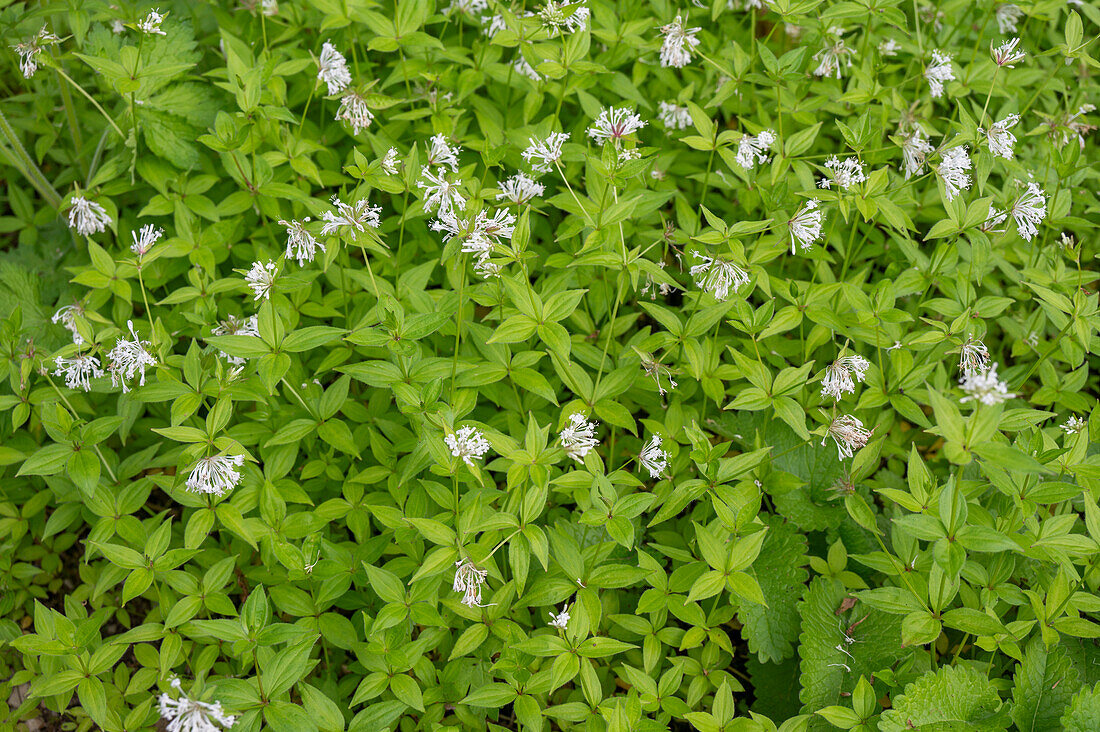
150,24
129,359
468,581
389,161
1074,424
673,116
353,110
888,48
836,55
216,475
999,139
1008,15
653,458
1029,210
952,171
805,225
914,151
578,437
300,244
441,152
839,375
30,50
357,217
752,150
187,715
467,443
520,189
66,316
232,325
613,124
333,69
78,370
985,387
848,434
846,172
561,620
1006,53
261,278
678,44
938,72
440,193
718,276
145,239
564,17
543,155
973,357
87,217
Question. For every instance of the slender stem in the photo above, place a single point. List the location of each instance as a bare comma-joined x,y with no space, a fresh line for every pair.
916,22
91,99
148,311
18,154
610,331
70,115
584,211
306,110
298,396
458,323
102,459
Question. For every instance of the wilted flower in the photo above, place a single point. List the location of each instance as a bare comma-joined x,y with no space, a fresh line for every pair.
300,244
129,358
216,475
952,171
615,124
467,443
520,189
29,51
389,161
973,357
938,72
1006,53
561,620
673,116
440,193
78,370
718,276
87,217
151,23
914,151
145,239
653,458
839,375
1000,140
1068,126
1074,424
1029,210
468,581
678,44
655,370
889,47
261,278
66,316
985,387
752,150
353,110
333,69
233,325
357,217
846,172
187,715
835,56
578,437
1007,16
806,225
441,153
543,155
996,218
848,434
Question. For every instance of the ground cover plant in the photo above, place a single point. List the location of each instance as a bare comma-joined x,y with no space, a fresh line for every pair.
600,366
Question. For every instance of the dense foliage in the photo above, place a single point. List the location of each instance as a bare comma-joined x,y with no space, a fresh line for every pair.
608,366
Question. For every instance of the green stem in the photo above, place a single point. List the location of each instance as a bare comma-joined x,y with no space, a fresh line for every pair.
458,324
91,99
584,211
22,160
76,416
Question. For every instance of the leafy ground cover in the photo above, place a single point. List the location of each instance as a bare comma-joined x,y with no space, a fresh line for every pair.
601,366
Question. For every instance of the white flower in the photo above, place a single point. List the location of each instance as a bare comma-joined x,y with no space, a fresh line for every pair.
29,51
233,325
441,153
186,715
389,161
889,47
561,620
117,26
578,438
468,581
493,228
938,72
440,193
261,278
985,387
653,458
78,370
333,69
1074,424
655,369
673,116
615,124
1000,140
632,154
752,150
216,475
564,17
520,189
835,56
525,69
151,23
1007,17
357,217
129,358
806,225
996,218
952,171
469,7
145,239
848,434
66,316
973,357
87,217
914,150
838,376
718,276
543,155
353,110
300,244
678,44
846,172
467,443
493,25
270,8
1029,210
1006,53
1068,126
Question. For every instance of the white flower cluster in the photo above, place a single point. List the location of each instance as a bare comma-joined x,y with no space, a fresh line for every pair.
839,376
653,458
678,43
578,437
718,276
467,443
128,359
187,715
215,475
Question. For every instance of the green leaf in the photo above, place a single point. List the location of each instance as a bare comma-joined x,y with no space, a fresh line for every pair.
772,631
1044,683
954,697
